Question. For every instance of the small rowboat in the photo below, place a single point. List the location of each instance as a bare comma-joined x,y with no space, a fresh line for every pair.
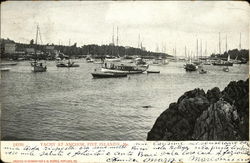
108,75
202,71
226,69
5,69
153,72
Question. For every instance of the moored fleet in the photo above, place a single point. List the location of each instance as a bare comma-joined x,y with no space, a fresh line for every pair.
114,66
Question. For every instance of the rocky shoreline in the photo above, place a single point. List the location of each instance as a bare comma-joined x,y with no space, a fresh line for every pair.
215,115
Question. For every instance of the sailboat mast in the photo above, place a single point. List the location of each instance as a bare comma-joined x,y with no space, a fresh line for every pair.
228,56
39,33
219,44
36,40
206,49
113,37
226,43
113,41
117,37
240,42
36,34
139,40
192,57
197,46
175,53
117,42
201,48
185,52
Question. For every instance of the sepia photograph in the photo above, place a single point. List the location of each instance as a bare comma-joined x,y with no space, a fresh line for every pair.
124,71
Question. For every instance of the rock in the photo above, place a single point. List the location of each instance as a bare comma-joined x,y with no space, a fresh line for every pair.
237,94
194,93
217,123
167,119
213,95
177,122
214,115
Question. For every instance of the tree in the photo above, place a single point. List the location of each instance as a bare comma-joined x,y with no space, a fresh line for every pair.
31,42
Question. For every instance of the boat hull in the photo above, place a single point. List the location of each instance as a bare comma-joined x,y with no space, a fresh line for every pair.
106,70
8,64
153,72
5,69
223,64
108,75
68,66
241,62
190,67
113,59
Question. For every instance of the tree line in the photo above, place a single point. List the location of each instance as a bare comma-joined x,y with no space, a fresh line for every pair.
234,54
93,50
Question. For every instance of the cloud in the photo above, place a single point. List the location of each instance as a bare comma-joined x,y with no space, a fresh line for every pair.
175,23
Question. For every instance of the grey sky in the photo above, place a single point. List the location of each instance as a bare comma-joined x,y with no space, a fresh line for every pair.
158,23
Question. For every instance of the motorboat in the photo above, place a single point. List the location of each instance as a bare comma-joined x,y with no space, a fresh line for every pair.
108,75
123,68
38,66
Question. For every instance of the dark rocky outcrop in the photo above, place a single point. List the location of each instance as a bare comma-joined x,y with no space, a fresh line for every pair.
215,115
217,123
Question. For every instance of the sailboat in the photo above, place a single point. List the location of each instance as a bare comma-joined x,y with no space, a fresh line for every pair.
190,66
221,62
38,66
242,60
197,60
114,58
164,61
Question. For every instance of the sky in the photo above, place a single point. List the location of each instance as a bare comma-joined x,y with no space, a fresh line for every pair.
160,23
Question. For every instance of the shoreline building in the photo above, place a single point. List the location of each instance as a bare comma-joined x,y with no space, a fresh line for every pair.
9,48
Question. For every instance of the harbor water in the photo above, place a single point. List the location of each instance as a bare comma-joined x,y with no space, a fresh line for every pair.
68,104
